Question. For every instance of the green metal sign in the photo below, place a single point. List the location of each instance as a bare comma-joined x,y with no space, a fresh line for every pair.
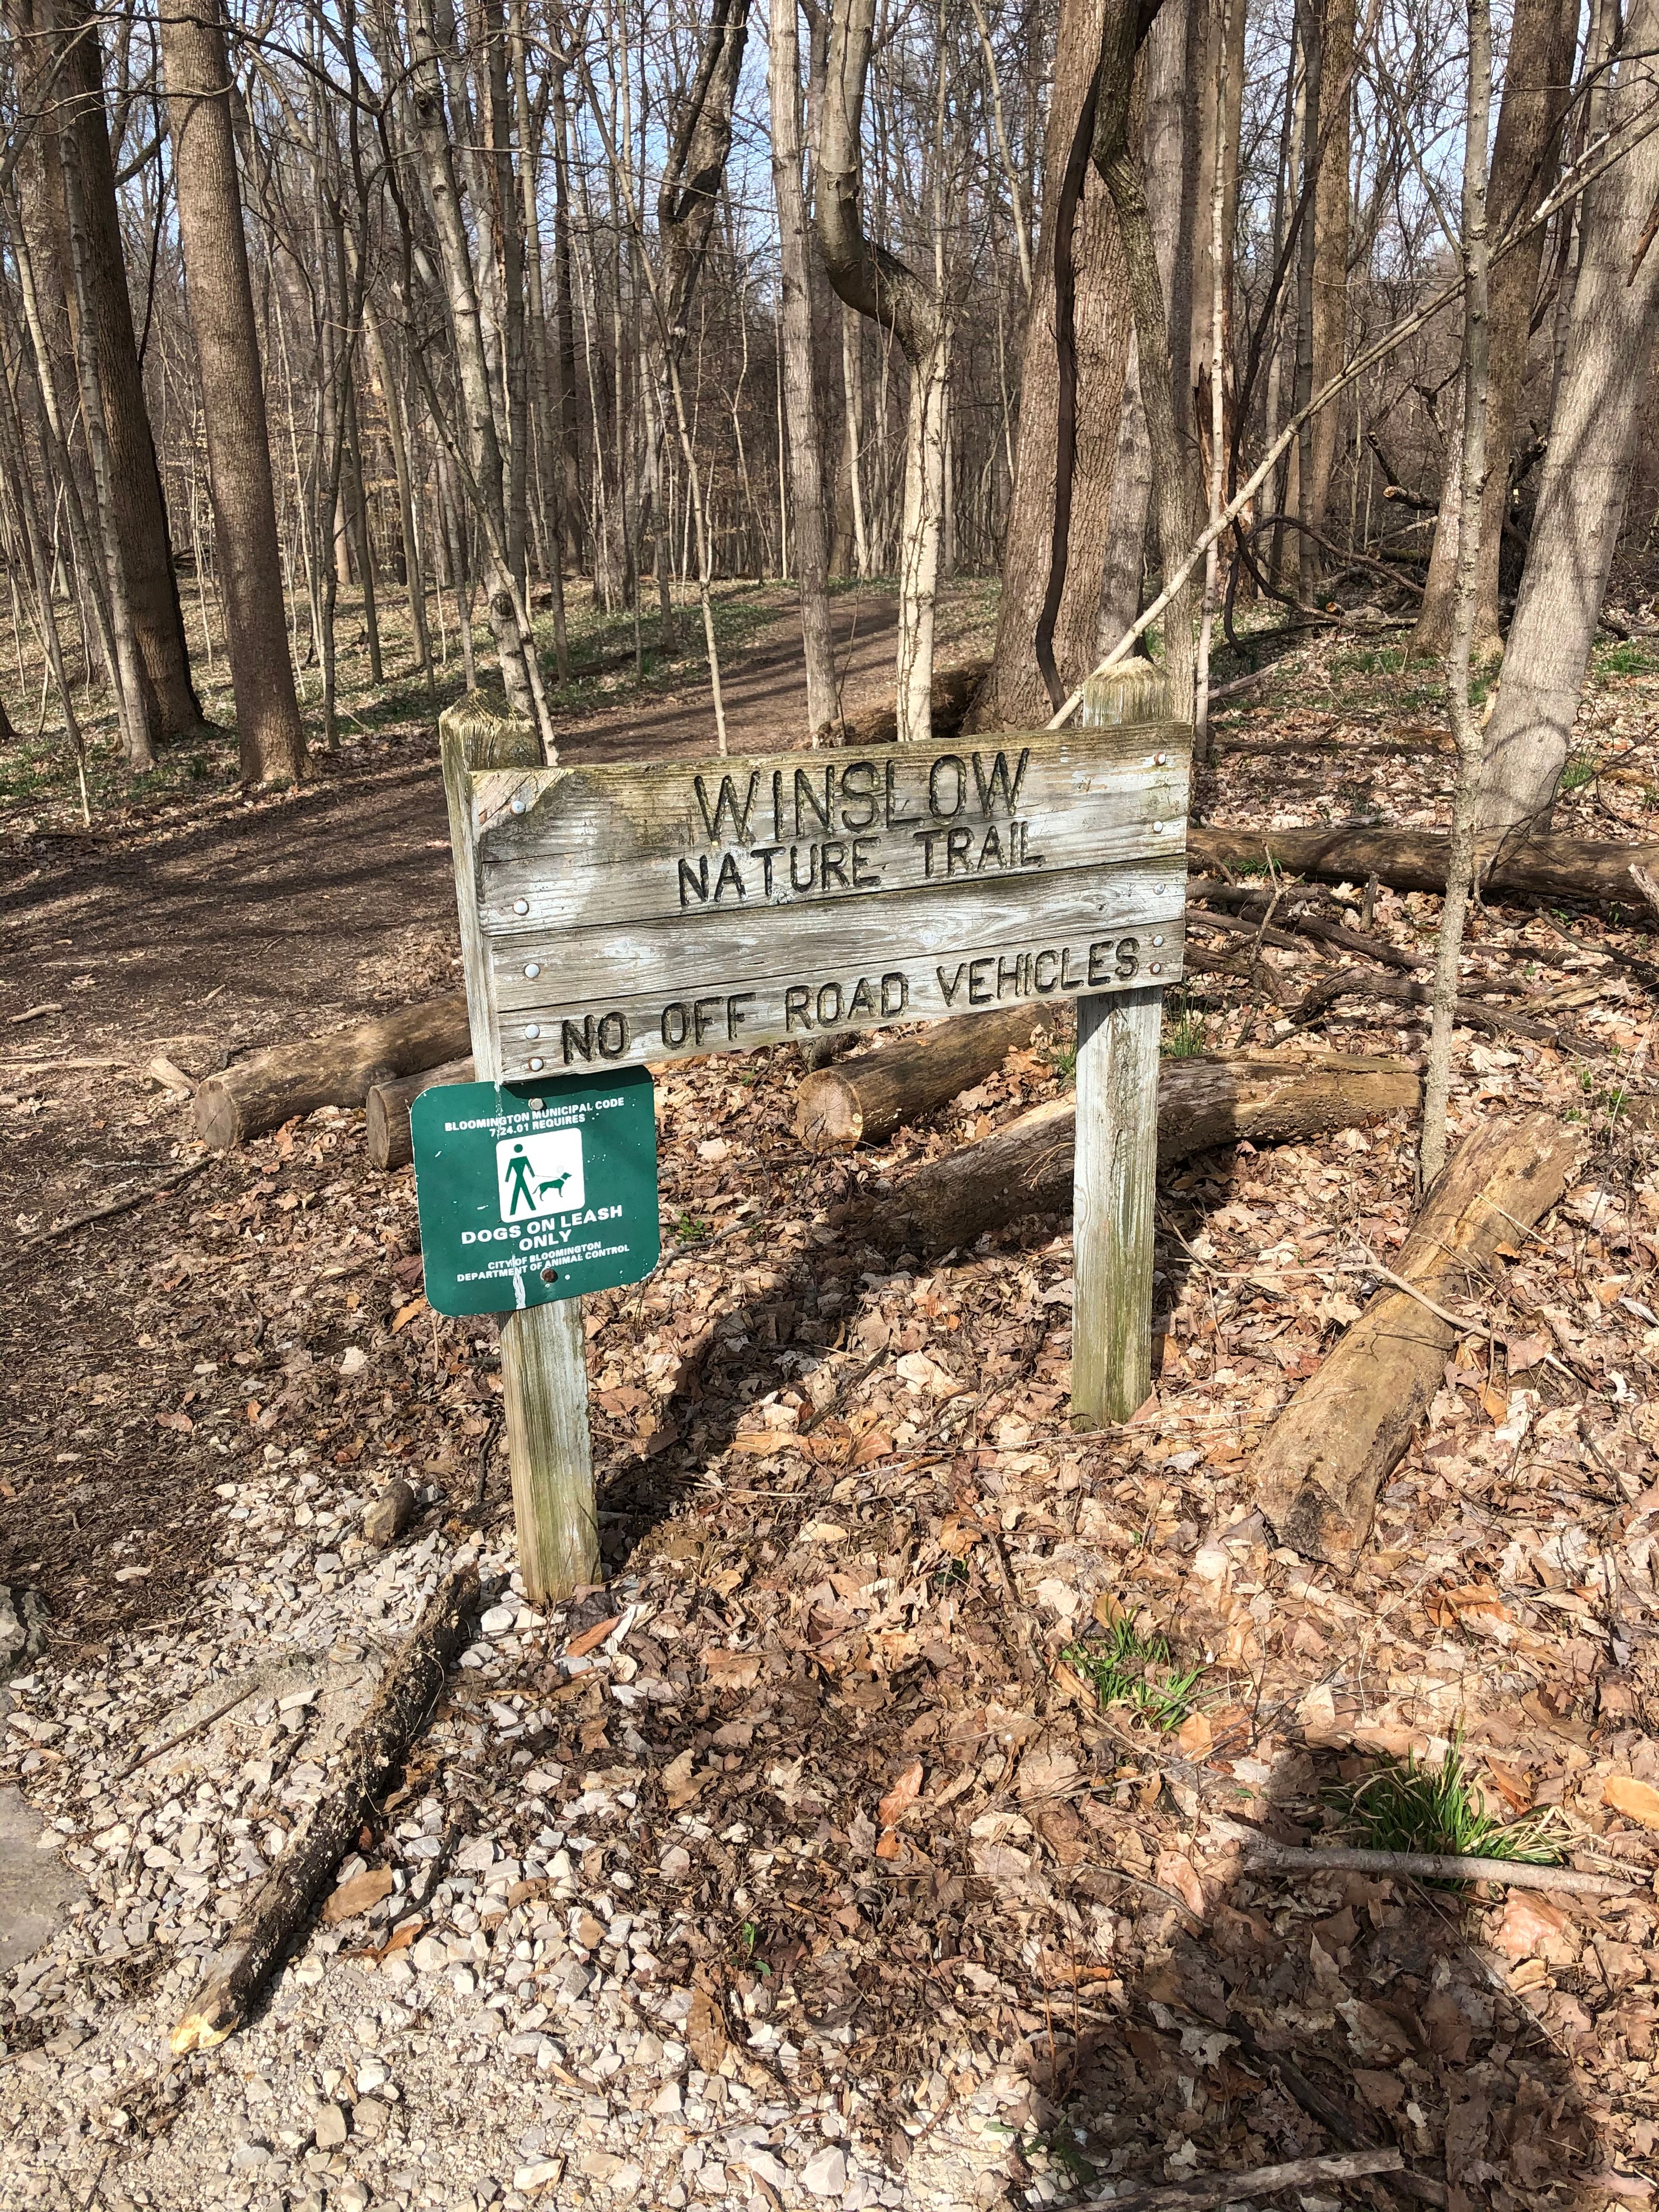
533,1192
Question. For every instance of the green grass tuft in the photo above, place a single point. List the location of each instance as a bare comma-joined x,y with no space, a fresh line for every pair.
1128,1668
1184,1037
1403,1807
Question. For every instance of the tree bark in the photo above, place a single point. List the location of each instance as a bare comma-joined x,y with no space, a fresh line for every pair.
373,1754
1581,499
76,105
1327,1455
1017,695
804,438
1116,155
270,1088
432,43
1329,269
863,1100
1525,158
197,65
1025,1167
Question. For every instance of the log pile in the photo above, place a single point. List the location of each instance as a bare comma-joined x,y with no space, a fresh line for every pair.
391,1144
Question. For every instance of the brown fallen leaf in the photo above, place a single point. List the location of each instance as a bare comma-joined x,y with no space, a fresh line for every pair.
705,2032
357,1894
731,1670
591,1638
900,1798
1637,1801
404,1314
1195,1736
680,1785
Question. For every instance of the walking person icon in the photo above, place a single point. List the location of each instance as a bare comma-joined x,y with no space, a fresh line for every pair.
519,1177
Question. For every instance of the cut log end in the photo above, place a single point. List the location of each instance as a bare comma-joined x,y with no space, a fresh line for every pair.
202,2029
217,1117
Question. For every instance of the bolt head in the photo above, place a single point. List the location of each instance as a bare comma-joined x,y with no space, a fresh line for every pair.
521,906
1163,760
518,805
1158,968
1158,828
532,969
533,1029
537,1065
1158,940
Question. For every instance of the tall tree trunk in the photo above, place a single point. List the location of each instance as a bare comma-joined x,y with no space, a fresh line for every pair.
1117,156
1466,729
432,46
129,682
1587,469
197,67
799,396
1097,333
1524,161
1332,218
1167,116
76,104
883,288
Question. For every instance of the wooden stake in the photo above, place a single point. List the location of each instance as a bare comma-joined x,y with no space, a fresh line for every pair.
543,1356
1116,1155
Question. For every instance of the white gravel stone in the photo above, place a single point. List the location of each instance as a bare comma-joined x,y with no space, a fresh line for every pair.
824,2173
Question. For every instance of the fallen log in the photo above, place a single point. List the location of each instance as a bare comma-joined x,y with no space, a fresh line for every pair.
1323,1461
390,1144
262,1092
372,1755
863,1100
1582,869
1025,1167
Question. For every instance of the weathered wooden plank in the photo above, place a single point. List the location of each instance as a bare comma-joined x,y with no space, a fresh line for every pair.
785,990
625,843
544,1355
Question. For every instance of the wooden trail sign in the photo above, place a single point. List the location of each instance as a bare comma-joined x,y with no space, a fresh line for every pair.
613,916
635,914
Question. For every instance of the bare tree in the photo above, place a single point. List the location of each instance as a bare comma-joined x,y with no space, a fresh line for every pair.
1593,432
1523,165
880,286
1465,729
1072,384
799,390
198,84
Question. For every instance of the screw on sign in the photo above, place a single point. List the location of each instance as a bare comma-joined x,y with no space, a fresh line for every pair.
619,915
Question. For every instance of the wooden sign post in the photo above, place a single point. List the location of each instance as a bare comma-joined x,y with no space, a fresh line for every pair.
612,916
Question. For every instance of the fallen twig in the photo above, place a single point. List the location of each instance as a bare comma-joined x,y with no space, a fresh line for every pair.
1206,2191
112,1205
1437,1866
372,1752
184,1734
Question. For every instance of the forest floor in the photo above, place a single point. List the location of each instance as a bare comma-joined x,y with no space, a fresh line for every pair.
793,1867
